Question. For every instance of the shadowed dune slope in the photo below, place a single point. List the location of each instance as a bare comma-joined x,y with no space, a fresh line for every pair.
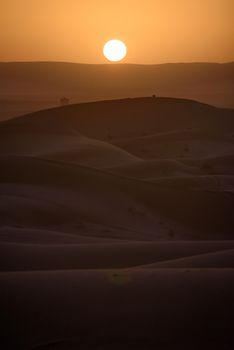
144,169
30,235
78,192
213,165
203,182
183,198
109,120
26,257
142,128
149,148
218,259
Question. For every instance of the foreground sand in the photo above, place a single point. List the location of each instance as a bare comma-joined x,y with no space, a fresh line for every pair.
118,309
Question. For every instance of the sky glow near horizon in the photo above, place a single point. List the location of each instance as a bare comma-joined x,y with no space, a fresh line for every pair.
155,31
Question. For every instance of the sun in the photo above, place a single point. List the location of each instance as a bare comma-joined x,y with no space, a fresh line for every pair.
115,50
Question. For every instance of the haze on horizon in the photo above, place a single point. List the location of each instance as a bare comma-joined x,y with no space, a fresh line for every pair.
155,31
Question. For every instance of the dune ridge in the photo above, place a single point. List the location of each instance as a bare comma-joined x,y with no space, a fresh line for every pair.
30,86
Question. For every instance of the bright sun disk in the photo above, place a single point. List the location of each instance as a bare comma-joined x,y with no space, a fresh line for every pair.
115,50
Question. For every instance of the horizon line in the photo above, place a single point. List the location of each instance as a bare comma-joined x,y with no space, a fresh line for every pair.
118,63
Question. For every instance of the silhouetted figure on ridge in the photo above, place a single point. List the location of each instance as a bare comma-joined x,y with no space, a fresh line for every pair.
64,101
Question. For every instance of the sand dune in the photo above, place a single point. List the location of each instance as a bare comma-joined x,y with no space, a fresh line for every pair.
73,193
54,190
116,227
205,182
154,168
220,259
146,128
92,153
70,196
30,235
213,165
67,146
29,86
27,257
149,148
111,120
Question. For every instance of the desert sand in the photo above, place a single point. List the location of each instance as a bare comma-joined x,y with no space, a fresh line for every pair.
116,227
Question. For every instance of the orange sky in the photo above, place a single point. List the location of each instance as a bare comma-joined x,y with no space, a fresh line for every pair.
155,31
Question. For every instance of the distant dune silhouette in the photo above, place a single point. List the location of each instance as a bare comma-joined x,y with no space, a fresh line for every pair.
37,85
